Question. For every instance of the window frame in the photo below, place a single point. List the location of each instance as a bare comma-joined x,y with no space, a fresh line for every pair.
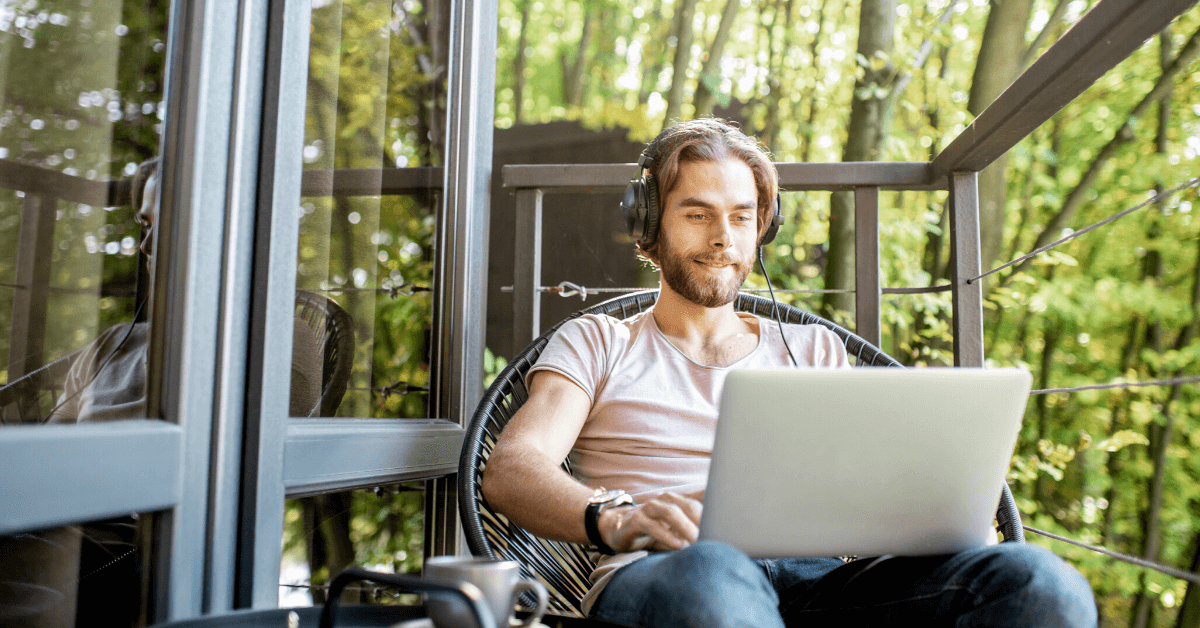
220,455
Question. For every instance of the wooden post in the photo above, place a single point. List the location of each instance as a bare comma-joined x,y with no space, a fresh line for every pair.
527,269
964,249
866,264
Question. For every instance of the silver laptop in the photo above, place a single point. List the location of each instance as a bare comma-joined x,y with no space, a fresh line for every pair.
863,462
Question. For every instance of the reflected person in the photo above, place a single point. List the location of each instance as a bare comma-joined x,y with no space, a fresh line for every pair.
107,381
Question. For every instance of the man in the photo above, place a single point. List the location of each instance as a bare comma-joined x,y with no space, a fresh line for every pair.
107,381
633,404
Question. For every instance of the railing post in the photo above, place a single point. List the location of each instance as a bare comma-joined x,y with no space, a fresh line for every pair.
527,269
866,263
964,250
34,253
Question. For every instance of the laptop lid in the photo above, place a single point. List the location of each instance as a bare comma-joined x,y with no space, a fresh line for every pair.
863,462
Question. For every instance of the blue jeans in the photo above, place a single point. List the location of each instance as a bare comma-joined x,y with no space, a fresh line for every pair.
710,584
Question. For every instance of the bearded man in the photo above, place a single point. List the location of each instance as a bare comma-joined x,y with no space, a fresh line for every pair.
633,405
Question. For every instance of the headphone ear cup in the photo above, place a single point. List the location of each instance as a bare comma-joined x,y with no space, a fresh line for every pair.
633,206
776,220
650,187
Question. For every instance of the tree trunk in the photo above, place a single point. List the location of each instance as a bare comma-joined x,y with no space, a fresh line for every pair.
709,80
814,51
573,71
519,62
1051,333
684,13
1160,439
870,122
1189,610
1060,9
998,65
650,74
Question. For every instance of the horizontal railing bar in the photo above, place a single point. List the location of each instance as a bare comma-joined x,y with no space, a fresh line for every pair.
792,176
323,455
371,181
1102,38
54,184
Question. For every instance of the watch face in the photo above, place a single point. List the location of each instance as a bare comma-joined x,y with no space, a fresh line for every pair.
606,496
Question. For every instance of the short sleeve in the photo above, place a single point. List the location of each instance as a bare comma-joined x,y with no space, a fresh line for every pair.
833,350
578,351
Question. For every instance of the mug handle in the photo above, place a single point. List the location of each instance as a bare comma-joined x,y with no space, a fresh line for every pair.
533,586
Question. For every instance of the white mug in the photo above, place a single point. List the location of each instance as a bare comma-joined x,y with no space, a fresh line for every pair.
500,582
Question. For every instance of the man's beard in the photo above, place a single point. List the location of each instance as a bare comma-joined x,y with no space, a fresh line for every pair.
679,272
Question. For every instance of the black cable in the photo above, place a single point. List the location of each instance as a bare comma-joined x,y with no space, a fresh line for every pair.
775,308
128,331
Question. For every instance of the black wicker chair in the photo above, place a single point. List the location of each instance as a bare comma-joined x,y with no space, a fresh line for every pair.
335,329
564,567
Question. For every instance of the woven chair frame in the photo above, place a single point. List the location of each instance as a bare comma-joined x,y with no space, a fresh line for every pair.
335,328
565,567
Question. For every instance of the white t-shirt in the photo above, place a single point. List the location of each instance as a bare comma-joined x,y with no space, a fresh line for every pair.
654,410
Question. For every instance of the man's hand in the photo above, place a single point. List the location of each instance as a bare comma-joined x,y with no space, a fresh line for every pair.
667,522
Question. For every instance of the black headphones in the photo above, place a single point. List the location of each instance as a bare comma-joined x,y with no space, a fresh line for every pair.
641,202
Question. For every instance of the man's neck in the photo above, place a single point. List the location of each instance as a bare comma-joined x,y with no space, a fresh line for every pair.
710,336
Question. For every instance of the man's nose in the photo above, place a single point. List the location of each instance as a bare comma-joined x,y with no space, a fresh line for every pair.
720,236
147,245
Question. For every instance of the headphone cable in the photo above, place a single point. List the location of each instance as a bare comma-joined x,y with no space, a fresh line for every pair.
96,373
775,308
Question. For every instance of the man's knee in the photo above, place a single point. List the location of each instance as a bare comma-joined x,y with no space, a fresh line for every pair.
705,563
1045,584
711,584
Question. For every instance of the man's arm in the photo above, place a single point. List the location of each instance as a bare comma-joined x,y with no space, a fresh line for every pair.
523,478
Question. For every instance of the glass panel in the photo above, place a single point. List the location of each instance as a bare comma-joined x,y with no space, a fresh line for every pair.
381,530
373,140
80,118
88,574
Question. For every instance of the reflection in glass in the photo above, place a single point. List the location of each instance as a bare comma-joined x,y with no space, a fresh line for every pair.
82,575
379,529
80,109
374,127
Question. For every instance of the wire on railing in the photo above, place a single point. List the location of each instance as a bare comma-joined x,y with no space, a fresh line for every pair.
1154,199
1157,382
1141,562
406,289
397,388
570,289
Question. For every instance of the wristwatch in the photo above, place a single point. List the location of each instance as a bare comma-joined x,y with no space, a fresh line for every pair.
601,501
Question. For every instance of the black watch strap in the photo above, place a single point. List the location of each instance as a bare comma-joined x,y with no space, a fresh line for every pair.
591,522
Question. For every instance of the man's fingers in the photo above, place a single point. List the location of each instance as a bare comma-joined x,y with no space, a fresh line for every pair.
690,507
674,521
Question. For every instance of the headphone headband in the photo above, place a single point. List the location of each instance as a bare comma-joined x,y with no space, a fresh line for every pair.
640,204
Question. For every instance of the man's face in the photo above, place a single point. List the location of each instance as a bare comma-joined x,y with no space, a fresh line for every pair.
709,231
148,213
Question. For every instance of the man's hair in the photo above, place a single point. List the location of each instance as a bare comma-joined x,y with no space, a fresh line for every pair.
137,187
711,140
